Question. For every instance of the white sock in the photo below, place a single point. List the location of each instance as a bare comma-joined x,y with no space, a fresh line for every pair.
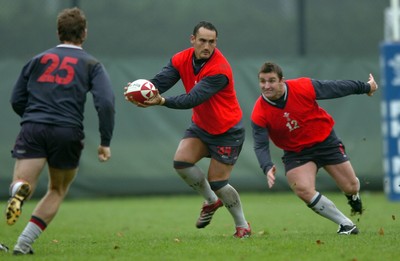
29,235
230,198
326,208
196,179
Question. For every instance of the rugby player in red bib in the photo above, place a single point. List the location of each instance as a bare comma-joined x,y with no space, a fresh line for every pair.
216,130
287,112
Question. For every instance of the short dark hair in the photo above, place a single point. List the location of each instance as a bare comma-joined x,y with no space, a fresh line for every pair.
269,67
206,25
71,25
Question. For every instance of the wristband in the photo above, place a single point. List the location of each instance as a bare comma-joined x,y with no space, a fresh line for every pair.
162,101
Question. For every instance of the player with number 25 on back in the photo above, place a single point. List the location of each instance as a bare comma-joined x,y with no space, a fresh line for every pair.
50,96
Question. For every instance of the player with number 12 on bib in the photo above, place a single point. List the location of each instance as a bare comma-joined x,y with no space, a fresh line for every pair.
50,96
287,112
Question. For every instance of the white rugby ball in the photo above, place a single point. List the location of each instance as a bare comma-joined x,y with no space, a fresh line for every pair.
140,90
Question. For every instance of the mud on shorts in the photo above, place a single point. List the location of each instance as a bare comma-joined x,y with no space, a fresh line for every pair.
331,151
224,147
61,146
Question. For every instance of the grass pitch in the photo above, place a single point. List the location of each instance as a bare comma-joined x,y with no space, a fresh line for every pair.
163,228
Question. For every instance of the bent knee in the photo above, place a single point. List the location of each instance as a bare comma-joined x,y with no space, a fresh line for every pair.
352,187
305,194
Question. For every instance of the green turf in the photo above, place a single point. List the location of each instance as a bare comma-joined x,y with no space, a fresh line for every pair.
162,228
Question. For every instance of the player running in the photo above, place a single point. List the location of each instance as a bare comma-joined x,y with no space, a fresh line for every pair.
287,112
50,96
216,130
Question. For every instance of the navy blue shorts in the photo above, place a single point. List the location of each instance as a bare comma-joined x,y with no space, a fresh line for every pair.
329,152
61,146
224,148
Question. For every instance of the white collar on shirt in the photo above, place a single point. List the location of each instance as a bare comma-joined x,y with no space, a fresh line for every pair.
69,46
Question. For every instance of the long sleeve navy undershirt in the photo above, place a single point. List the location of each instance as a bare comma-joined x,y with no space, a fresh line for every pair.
202,91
